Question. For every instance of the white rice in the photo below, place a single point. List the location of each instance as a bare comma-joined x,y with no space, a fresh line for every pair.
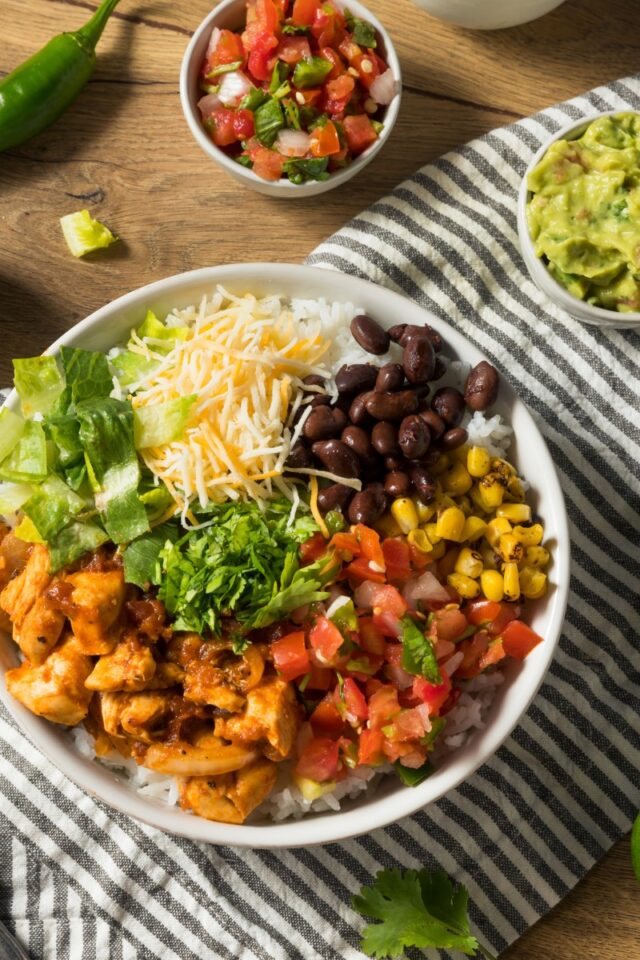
469,714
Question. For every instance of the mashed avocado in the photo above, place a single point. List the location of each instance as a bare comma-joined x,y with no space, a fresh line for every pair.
584,212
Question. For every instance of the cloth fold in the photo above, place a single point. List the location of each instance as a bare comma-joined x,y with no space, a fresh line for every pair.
78,880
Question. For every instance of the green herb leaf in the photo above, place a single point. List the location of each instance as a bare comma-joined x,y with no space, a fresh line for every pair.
363,33
87,374
279,74
293,29
635,847
223,68
254,99
39,383
415,909
311,72
299,171
418,655
141,557
269,119
27,462
244,161
412,777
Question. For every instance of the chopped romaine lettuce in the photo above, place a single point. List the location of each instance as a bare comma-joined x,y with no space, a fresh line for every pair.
27,462
156,502
51,507
13,495
11,429
156,425
86,373
72,542
64,433
84,234
39,383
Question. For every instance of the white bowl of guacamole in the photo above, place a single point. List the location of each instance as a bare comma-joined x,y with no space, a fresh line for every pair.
579,219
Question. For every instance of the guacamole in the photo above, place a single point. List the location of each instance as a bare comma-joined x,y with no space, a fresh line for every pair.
584,212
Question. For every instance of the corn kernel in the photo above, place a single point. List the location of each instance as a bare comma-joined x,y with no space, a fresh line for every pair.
469,562
536,557
503,468
473,528
491,490
490,558
460,453
511,579
515,512
444,502
388,526
477,499
457,481
529,536
533,583
495,529
431,531
426,511
405,514
419,539
450,524
464,585
510,548
478,461
447,564
465,505
515,489
442,463
439,550
492,585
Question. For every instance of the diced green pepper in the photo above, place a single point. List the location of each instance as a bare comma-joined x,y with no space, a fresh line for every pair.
312,72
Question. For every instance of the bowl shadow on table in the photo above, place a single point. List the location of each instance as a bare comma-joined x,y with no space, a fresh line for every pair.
18,301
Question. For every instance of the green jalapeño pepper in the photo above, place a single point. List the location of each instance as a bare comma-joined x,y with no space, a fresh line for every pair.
36,93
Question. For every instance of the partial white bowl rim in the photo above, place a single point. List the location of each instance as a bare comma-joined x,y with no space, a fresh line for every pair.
380,810
539,273
192,115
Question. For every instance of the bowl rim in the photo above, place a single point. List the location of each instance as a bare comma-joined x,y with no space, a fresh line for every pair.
598,316
105,784
284,186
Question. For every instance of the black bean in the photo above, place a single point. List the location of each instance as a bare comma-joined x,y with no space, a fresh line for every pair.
358,440
320,400
300,456
481,389
423,482
358,410
324,423
418,359
368,505
439,370
390,377
435,423
314,380
448,403
412,330
394,463
397,483
356,377
392,406
337,457
334,497
396,332
414,437
384,438
369,334
454,438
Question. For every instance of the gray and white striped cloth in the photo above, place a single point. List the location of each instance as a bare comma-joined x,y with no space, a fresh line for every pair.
80,881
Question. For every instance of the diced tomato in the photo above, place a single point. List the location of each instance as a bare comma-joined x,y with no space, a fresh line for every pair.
393,653
349,50
355,705
304,12
266,163
370,637
324,140
387,623
383,706
493,654
221,125
419,559
293,49
450,623
370,748
341,88
388,599
326,719
480,612
243,124
473,648
259,64
326,639
228,49
408,725
372,686
290,656
320,678
518,639
368,539
433,694
328,26
415,759
394,749
397,558
319,760
268,15
359,132
360,569
328,53
508,612
312,549
346,545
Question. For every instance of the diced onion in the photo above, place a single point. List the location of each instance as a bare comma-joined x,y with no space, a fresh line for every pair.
384,88
423,712
293,143
426,587
213,42
365,593
453,663
209,103
234,87
340,601
400,677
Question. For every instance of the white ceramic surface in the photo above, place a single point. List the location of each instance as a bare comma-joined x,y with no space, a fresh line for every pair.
488,14
586,312
390,800
230,15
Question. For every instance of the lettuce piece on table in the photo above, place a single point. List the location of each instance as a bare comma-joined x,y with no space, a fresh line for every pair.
84,234
40,384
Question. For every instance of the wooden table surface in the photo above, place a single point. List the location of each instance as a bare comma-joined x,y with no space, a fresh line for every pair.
123,150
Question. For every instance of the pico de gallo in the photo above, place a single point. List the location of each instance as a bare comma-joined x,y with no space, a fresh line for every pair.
299,93
388,658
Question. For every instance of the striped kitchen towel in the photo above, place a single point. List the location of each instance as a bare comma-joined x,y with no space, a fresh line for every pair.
81,881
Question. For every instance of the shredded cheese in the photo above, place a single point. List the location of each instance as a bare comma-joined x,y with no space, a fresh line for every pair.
315,512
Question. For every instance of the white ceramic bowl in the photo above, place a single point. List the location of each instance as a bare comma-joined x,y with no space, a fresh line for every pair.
231,15
390,800
488,14
597,316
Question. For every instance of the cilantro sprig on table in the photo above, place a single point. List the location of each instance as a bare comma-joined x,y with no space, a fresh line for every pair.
416,908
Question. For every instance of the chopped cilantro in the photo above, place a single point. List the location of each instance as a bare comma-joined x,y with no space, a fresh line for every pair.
418,655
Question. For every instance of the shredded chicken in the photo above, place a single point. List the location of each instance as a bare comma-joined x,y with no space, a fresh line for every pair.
56,689
232,797
93,607
271,718
130,666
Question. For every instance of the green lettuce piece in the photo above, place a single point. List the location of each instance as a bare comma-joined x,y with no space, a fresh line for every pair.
11,429
141,556
39,383
84,234
161,423
76,476
72,542
106,435
155,329
52,506
64,433
156,502
131,367
27,462
418,654
87,374
12,496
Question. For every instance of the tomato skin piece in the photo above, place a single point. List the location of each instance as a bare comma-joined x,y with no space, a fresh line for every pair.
473,649
243,124
325,719
518,639
325,639
508,612
355,705
293,49
312,549
368,539
493,654
304,12
221,127
360,569
229,49
397,558
319,760
324,141
480,612
383,706
371,639
346,545
359,132
290,656
433,694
